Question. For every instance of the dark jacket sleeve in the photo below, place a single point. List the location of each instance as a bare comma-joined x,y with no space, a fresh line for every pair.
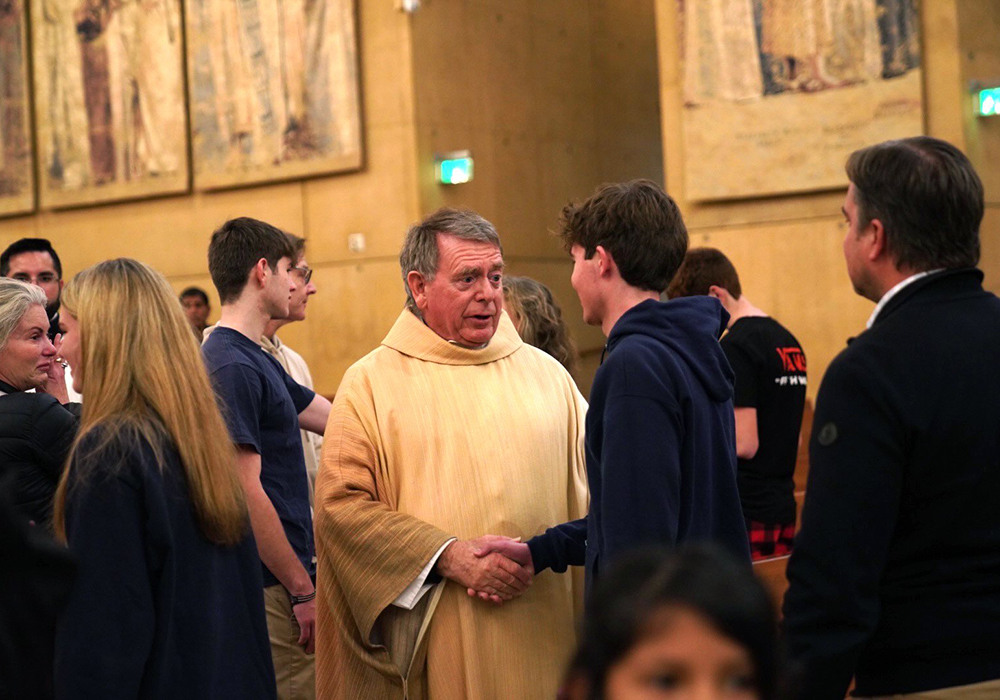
852,501
640,474
104,638
52,433
560,547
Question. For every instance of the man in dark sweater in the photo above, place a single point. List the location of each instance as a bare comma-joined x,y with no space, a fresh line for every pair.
770,394
660,441
895,577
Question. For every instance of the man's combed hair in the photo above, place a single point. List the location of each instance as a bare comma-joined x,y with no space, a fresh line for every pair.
237,246
29,245
638,223
702,269
927,196
420,249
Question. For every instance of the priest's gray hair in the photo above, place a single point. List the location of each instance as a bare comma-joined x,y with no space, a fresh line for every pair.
420,249
16,298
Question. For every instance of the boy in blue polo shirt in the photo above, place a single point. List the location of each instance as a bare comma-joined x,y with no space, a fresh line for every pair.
264,408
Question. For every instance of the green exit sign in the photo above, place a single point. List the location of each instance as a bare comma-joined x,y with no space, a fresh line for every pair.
989,102
454,168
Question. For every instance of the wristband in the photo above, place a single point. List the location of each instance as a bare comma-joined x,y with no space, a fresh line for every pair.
299,599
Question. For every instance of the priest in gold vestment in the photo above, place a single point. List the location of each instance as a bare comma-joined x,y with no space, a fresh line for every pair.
451,429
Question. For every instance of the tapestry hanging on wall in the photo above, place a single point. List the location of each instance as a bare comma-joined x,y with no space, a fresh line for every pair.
17,195
109,100
777,93
274,90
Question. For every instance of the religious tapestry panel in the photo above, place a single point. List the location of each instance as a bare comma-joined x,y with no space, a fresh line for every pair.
17,194
274,90
109,100
777,93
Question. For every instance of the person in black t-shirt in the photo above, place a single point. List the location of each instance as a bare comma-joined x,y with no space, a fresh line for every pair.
770,369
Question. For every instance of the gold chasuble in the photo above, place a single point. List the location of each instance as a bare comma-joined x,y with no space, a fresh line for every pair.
427,441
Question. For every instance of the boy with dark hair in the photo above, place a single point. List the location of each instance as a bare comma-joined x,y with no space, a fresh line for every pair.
194,301
770,394
250,262
660,441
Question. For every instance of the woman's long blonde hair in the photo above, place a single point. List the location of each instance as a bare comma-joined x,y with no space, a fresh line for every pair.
144,378
542,323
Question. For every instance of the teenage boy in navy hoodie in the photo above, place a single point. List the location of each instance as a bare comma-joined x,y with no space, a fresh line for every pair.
660,441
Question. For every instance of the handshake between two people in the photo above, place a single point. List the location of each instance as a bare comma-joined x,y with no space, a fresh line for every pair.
492,568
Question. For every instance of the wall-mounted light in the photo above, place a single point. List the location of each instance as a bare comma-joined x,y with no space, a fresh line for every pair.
988,102
453,168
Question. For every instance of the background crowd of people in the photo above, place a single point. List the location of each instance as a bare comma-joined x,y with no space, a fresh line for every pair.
184,516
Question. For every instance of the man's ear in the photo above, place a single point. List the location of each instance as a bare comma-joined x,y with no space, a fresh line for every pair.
605,262
877,245
260,272
418,288
718,292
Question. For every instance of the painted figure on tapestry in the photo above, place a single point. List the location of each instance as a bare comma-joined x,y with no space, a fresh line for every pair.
253,110
15,134
737,50
110,77
721,53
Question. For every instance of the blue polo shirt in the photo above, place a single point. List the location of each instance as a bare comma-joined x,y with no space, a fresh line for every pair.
261,405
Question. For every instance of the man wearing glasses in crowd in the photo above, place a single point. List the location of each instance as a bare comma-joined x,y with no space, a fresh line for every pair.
289,359
35,261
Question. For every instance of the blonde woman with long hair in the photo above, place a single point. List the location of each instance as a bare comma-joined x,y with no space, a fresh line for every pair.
538,319
168,597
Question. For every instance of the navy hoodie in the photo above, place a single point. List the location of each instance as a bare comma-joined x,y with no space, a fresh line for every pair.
661,442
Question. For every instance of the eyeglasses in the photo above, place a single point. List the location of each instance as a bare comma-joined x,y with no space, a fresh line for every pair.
43,278
305,272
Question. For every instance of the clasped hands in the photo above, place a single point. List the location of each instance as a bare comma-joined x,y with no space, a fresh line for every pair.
492,568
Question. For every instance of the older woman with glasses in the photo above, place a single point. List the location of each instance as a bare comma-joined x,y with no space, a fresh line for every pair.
37,427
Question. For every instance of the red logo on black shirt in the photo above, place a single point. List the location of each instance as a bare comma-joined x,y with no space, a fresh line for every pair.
792,359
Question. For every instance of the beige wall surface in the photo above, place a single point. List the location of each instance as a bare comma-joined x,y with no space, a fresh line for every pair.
979,27
788,249
552,98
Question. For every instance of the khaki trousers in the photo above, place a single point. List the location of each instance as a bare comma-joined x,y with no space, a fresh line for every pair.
294,669
990,690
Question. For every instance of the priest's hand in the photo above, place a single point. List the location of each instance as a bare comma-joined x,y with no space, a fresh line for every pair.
494,575
511,548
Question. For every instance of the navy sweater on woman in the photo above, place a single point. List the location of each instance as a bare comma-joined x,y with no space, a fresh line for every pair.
158,611
660,444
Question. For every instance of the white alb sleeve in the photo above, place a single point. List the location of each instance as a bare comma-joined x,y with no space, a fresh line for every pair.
416,590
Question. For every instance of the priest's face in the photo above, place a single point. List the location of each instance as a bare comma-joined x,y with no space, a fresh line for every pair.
463,301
